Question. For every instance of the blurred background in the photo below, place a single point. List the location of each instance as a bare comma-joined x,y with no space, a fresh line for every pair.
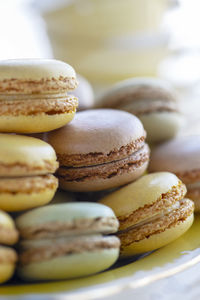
110,40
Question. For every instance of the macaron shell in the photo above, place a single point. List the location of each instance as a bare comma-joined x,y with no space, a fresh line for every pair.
97,131
22,155
34,124
70,266
145,191
6,220
21,201
6,271
161,126
147,88
156,241
8,232
64,212
8,258
34,69
99,184
178,155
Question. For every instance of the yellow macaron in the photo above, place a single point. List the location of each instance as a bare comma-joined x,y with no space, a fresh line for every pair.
8,256
26,167
33,95
152,212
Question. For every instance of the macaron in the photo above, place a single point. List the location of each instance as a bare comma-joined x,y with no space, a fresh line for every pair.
26,167
33,95
100,149
152,100
65,241
152,212
85,94
182,157
8,256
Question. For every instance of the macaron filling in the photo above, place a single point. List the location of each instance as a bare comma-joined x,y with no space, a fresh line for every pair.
165,201
36,251
107,170
32,184
27,169
35,106
159,223
43,85
98,158
75,227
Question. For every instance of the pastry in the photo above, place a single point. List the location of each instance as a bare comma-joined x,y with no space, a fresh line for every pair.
152,212
64,241
182,157
33,95
26,167
8,237
151,100
99,150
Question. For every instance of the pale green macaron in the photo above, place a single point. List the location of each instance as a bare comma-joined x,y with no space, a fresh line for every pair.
67,240
152,100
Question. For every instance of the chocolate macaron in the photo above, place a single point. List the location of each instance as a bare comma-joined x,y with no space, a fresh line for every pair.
182,157
100,149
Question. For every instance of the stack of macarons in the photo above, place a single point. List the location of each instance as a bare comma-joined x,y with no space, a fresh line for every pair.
100,151
33,99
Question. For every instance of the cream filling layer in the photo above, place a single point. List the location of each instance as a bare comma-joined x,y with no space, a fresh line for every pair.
195,185
153,218
38,96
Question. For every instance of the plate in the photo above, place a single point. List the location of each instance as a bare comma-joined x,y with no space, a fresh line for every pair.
134,273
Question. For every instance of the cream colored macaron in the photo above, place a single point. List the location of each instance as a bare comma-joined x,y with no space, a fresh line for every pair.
26,167
152,212
33,95
8,256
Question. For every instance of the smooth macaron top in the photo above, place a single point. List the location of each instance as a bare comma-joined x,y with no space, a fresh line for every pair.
102,135
145,191
22,155
135,89
67,219
178,155
8,231
35,69
36,76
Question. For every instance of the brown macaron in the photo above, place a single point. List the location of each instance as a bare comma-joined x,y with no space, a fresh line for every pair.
182,157
99,150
